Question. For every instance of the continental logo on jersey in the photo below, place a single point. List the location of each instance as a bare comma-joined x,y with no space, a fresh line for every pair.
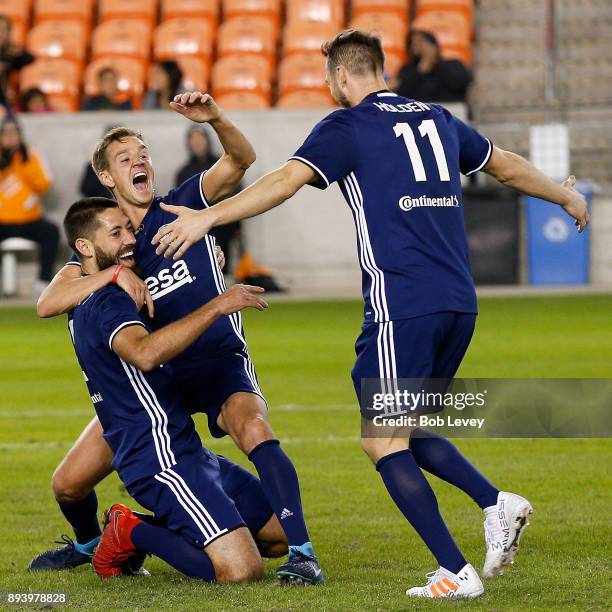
169,279
407,203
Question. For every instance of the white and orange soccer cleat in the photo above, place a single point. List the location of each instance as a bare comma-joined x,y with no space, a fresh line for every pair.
504,524
445,584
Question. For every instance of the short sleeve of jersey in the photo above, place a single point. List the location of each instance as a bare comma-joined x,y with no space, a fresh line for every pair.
474,149
73,261
114,311
329,149
188,194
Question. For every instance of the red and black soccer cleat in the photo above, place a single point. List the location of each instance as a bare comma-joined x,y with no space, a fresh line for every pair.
115,547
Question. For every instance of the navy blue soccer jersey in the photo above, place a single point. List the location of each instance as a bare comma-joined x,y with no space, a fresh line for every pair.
180,287
141,414
398,164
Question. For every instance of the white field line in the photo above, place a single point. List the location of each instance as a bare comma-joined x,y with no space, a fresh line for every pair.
78,412
327,439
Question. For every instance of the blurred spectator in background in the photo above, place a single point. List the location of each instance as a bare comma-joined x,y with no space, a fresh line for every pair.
428,77
90,185
23,180
200,154
201,158
11,58
109,97
165,81
34,100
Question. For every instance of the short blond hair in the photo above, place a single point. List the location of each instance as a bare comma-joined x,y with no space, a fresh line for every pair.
99,160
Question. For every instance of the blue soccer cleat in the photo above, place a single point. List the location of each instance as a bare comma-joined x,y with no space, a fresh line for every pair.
62,558
300,568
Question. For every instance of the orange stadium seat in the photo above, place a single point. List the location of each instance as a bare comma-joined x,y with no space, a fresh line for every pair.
125,37
58,78
196,73
252,35
463,7
243,100
393,63
451,30
242,73
253,8
328,11
18,33
306,37
302,73
305,99
81,10
177,37
59,39
131,76
128,9
193,9
16,10
400,8
392,31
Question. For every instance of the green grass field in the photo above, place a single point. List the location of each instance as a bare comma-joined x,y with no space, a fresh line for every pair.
303,353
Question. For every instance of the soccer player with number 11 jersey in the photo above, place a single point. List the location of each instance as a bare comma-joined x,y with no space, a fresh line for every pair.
398,162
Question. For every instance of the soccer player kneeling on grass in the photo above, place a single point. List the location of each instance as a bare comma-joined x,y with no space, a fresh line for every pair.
157,452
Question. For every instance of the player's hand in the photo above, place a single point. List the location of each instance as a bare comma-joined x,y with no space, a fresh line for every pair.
176,237
197,106
136,288
238,297
576,206
220,255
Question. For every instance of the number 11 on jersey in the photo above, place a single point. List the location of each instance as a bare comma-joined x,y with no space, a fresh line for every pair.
426,128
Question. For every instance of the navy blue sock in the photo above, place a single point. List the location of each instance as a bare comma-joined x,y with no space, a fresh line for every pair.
174,550
441,458
83,517
412,494
280,484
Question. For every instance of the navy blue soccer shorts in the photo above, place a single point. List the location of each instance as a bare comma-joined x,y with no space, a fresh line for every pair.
431,346
205,384
191,500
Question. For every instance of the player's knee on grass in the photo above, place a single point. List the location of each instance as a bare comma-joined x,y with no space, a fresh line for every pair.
271,539
235,557
244,417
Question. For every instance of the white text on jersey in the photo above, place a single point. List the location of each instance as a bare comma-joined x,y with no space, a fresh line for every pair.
169,279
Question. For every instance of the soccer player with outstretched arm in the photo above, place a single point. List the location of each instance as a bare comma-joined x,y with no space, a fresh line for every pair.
215,375
398,162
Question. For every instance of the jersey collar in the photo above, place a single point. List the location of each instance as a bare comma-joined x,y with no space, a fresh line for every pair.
381,93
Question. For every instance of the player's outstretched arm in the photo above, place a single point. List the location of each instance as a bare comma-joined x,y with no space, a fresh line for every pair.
516,172
148,351
68,289
264,194
225,175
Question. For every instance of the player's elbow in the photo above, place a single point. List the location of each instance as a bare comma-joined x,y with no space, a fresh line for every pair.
245,160
45,308
147,362
145,358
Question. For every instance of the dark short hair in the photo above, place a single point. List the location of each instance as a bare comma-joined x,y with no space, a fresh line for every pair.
81,220
360,52
99,161
106,70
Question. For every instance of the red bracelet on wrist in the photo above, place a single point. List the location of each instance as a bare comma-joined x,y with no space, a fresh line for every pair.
118,269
